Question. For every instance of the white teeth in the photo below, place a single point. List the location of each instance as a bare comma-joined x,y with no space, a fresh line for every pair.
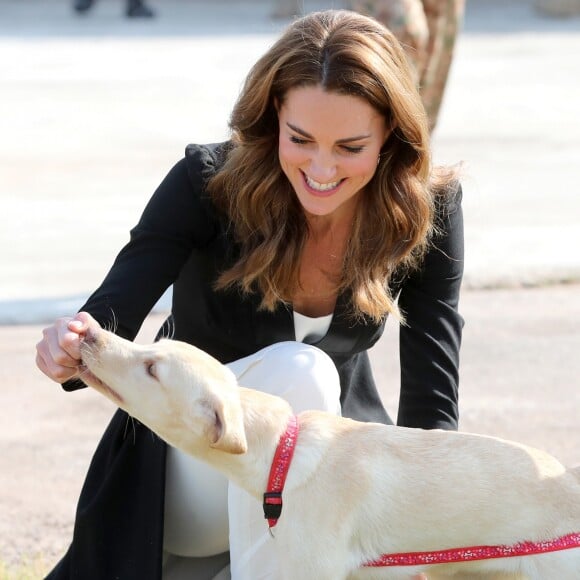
321,186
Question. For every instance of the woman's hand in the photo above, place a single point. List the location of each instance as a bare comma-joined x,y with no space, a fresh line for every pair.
58,354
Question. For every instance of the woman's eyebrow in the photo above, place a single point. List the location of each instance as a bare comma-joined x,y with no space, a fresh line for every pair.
308,136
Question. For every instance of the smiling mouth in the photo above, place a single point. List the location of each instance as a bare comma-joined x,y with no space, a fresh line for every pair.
321,188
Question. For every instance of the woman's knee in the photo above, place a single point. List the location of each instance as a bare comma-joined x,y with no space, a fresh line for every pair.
300,373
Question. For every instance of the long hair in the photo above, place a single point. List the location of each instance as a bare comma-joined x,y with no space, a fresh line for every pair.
349,54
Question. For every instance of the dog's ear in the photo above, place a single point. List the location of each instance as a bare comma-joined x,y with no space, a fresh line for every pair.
226,431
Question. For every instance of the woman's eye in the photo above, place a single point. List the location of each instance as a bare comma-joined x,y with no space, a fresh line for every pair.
352,149
150,368
298,140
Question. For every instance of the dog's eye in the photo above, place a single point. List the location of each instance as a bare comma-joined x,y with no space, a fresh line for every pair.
150,368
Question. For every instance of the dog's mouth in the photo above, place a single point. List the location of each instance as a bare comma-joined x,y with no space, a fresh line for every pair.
93,381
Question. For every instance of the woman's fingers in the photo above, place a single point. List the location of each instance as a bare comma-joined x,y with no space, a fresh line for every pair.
64,341
55,363
58,354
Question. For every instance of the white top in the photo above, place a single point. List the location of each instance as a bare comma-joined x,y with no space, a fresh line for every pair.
309,329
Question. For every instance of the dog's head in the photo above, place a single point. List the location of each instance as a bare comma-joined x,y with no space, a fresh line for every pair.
180,392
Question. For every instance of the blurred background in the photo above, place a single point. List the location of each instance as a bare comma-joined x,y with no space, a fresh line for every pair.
97,105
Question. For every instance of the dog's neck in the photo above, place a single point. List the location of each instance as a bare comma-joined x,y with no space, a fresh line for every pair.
265,420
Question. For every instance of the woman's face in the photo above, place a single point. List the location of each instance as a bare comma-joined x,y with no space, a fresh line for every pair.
329,147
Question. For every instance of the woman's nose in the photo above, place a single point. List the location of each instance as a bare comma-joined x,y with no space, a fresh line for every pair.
323,168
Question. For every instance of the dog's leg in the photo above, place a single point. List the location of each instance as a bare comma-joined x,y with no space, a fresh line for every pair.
320,572
563,565
306,558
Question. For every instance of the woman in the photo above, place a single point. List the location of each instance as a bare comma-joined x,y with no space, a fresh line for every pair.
320,217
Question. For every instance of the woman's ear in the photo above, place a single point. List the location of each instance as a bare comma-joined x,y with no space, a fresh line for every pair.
390,126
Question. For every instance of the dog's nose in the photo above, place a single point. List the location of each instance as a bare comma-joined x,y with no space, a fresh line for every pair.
90,345
89,336
92,337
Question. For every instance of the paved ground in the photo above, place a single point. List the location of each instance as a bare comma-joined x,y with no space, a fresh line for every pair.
95,110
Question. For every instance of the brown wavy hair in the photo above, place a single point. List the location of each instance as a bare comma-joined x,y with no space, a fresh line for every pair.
346,53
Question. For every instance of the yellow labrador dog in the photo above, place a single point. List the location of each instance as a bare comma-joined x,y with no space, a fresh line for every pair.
354,490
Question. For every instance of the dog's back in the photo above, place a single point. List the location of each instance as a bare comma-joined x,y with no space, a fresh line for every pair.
394,489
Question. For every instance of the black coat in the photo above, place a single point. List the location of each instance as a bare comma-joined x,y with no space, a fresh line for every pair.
181,240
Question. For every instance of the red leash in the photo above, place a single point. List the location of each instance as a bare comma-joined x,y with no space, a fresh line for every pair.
476,553
273,509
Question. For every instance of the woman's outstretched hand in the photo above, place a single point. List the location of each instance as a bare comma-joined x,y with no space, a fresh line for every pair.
58,354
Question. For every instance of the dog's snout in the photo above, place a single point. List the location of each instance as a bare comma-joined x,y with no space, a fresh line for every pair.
91,341
90,337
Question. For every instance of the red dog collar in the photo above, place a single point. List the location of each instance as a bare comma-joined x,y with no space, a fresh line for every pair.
278,472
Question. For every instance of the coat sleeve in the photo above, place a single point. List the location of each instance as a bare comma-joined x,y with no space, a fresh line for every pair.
176,220
430,339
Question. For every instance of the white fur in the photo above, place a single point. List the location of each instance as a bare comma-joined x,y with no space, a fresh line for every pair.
355,490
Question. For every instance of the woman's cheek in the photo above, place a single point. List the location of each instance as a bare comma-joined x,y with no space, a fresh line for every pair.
287,153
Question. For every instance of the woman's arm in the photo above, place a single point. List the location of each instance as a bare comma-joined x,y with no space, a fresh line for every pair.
176,220
431,338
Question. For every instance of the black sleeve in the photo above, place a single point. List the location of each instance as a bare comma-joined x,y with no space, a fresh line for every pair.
176,220
431,338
